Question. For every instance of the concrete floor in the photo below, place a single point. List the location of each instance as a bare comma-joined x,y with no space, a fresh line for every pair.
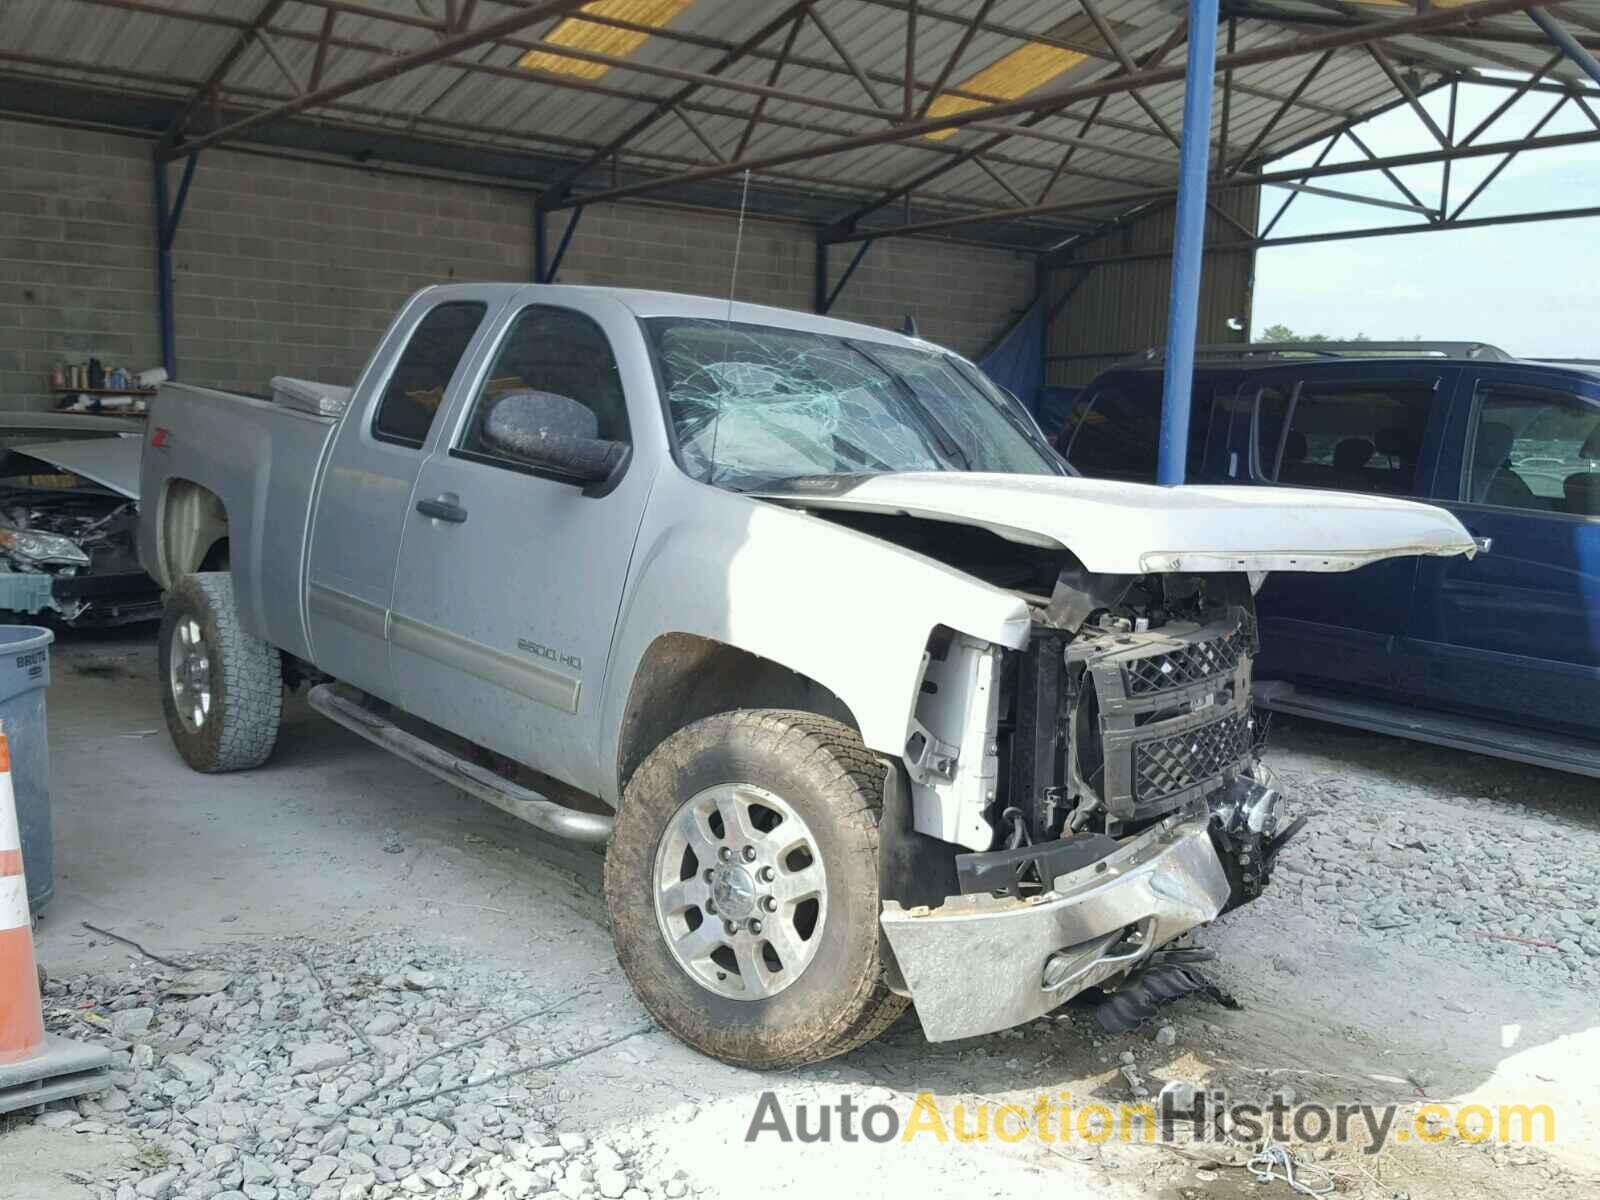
177,860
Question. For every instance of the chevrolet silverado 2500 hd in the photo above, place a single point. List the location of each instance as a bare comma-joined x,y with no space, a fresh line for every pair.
888,706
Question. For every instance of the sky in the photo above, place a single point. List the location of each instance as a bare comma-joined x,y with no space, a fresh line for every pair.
1531,289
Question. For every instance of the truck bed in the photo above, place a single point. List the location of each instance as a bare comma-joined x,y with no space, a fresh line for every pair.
263,460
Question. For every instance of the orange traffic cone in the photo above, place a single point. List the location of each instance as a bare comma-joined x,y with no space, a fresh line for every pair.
34,1067
21,1018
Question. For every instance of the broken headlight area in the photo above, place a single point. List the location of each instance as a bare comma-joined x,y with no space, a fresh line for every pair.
32,550
69,553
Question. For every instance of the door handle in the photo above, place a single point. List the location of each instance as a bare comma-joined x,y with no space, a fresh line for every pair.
1484,544
442,509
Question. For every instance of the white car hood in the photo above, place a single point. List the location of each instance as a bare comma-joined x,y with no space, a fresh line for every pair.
1136,529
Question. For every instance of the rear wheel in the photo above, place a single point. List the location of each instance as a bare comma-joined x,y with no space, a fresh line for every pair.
221,688
742,883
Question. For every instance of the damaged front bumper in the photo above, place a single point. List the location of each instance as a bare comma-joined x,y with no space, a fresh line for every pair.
117,598
980,963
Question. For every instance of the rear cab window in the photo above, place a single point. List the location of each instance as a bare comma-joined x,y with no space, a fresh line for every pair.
421,377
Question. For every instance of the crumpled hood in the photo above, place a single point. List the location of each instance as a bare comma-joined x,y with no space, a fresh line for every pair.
1136,529
112,462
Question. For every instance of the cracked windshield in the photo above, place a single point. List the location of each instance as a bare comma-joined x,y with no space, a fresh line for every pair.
753,404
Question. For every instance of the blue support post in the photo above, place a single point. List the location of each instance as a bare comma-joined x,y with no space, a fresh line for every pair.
819,278
541,241
1194,163
1569,45
168,213
561,248
828,297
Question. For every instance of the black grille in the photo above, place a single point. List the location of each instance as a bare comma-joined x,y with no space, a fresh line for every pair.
1180,667
1166,765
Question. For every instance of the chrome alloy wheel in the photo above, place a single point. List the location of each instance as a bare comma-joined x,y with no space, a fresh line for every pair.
189,670
740,891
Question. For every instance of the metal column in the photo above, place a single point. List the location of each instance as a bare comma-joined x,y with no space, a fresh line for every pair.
1569,45
1189,240
168,214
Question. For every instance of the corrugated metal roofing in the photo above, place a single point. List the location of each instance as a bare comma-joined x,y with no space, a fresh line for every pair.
482,97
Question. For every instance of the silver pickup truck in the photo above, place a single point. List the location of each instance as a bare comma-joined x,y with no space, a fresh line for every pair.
870,700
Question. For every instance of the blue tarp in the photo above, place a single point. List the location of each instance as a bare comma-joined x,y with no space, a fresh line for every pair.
1016,361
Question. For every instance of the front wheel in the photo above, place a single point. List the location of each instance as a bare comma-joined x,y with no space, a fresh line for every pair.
742,883
221,688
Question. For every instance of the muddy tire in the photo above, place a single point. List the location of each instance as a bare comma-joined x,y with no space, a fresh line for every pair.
774,814
221,688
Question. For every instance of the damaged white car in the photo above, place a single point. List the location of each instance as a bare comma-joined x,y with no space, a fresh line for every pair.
870,701
69,506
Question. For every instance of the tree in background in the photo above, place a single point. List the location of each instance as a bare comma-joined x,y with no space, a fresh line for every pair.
1282,333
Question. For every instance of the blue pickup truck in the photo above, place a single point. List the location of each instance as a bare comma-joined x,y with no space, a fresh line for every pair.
1499,654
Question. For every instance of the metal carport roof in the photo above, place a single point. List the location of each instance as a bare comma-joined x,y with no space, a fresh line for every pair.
1004,121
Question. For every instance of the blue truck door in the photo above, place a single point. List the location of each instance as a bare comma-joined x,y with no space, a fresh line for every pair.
1352,427
1515,632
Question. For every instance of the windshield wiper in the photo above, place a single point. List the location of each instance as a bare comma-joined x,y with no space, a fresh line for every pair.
948,446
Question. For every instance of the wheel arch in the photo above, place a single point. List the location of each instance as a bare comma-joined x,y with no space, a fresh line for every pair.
194,531
684,677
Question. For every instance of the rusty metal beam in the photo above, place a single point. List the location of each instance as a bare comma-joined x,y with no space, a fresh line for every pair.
1272,122
1058,99
955,57
278,60
220,70
977,160
794,12
772,81
908,103
1127,200
1061,163
1294,195
845,56
1114,44
1505,162
443,49
320,62
1388,173
1518,93
700,135
905,189
1404,88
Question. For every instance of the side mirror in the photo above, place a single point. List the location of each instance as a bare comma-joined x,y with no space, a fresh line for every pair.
552,432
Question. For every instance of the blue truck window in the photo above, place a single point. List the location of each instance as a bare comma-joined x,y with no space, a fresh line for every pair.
416,388
1534,449
553,350
1352,437
1112,433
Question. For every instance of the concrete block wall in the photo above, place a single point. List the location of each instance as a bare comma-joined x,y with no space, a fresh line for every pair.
294,268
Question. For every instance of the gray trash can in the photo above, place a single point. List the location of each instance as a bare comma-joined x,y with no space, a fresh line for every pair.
24,676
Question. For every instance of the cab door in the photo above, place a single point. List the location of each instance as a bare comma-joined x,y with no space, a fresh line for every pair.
1349,427
510,577
1514,633
360,508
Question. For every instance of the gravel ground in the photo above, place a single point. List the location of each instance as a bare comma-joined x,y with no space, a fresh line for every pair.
1472,866
303,1072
